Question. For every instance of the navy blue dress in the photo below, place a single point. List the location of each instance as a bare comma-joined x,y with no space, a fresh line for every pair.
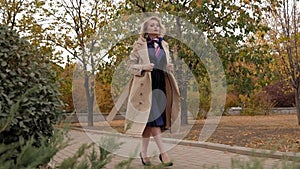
157,117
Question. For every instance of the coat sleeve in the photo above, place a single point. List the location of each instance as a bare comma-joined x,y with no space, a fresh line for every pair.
169,55
134,63
169,59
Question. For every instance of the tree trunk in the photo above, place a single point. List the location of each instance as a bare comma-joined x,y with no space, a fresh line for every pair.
184,109
181,78
90,99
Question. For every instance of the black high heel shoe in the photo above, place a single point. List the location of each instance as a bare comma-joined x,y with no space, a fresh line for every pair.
167,164
147,163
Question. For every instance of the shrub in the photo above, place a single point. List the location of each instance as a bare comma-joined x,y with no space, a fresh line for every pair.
104,98
27,81
258,103
281,93
65,76
31,156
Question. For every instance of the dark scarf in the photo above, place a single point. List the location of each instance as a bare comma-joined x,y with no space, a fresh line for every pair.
154,40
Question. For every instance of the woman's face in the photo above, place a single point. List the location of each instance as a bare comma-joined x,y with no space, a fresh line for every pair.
153,28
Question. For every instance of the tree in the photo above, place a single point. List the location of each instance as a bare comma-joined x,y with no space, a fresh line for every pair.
26,17
19,14
284,18
78,22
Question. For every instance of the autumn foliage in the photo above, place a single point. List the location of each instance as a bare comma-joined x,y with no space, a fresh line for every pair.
281,93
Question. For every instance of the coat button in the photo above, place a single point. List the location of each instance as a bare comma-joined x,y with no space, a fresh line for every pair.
142,84
141,94
140,103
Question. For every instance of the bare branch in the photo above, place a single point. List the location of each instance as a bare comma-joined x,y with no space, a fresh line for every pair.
143,8
73,53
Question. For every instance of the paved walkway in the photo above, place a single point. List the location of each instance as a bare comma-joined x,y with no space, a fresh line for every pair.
187,154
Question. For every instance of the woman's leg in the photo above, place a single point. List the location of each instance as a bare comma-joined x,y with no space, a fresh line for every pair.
156,133
145,142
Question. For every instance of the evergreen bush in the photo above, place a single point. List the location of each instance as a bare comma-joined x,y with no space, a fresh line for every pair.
29,95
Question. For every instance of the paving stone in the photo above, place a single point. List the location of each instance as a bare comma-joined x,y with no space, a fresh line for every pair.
184,155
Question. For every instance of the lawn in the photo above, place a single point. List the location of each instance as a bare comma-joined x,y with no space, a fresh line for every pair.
273,132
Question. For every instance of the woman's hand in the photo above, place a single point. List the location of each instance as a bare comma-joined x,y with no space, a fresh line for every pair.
148,67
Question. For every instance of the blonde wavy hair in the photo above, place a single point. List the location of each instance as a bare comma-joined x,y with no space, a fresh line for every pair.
144,26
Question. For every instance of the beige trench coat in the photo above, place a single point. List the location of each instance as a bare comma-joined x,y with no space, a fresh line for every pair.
140,94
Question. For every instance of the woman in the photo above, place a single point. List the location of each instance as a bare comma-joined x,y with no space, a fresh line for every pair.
154,100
